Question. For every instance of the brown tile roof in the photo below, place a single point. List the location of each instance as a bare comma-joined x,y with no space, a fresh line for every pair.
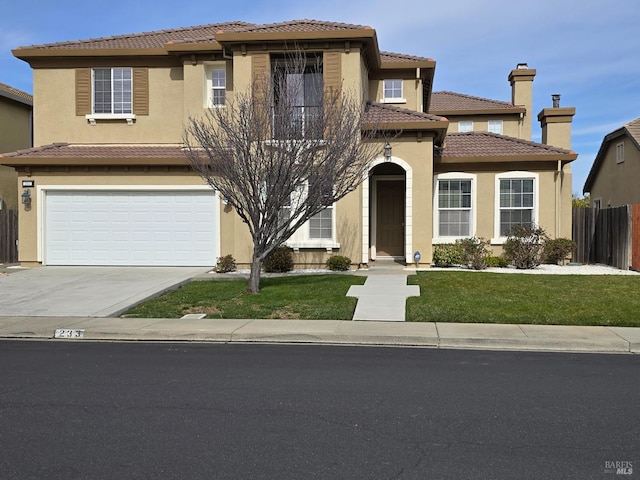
449,102
383,113
65,153
401,57
146,40
634,130
304,25
15,94
484,144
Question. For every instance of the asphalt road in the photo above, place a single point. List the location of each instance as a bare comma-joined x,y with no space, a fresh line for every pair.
188,411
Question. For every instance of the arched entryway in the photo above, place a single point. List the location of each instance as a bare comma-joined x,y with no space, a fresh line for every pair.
387,212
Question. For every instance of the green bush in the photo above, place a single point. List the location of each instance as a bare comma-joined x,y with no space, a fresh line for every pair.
525,245
498,262
448,255
226,264
557,249
338,263
279,261
475,252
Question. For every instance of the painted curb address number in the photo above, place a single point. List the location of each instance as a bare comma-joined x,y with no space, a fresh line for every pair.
68,333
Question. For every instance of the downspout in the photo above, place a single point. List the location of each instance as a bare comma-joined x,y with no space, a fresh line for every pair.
559,199
520,122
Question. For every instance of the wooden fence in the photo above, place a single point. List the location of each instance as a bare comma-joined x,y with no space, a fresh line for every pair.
8,236
610,236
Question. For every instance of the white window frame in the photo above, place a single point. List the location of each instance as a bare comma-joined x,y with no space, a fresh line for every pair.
620,152
396,98
438,239
93,116
209,86
495,126
468,126
515,175
302,239
597,203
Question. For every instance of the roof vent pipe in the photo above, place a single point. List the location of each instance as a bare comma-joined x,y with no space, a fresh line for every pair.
555,98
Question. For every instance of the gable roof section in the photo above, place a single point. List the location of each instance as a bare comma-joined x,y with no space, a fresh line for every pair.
451,103
151,43
15,94
387,117
631,130
479,147
67,154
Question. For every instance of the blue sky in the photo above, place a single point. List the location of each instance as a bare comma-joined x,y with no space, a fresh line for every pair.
586,50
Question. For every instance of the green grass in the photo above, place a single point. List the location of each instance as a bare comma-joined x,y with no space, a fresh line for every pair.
481,297
305,297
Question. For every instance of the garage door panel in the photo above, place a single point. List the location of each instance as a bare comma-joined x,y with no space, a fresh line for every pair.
130,228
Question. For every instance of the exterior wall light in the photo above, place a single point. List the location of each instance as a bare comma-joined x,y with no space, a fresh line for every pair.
387,152
26,198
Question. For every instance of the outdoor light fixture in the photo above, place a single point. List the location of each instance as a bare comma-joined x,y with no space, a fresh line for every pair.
387,151
26,197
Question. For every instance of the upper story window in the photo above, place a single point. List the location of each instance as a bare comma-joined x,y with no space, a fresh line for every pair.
620,153
216,85
516,201
297,97
392,91
112,91
495,126
465,126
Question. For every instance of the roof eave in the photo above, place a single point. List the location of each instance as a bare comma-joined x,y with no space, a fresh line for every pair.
16,98
28,53
24,161
489,111
564,158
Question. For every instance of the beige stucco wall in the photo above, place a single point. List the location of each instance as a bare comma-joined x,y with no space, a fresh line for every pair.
511,125
15,134
55,116
411,92
617,183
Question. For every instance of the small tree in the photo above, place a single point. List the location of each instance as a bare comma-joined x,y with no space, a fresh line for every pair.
524,246
282,151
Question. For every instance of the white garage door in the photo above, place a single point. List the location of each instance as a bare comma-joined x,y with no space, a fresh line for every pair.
177,228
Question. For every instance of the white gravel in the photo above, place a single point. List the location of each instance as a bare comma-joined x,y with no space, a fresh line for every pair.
555,270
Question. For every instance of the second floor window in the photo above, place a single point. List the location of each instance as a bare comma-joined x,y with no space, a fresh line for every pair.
465,126
392,90
620,153
217,83
112,90
495,126
298,99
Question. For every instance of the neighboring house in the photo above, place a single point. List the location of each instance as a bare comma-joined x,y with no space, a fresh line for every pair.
615,174
113,187
16,107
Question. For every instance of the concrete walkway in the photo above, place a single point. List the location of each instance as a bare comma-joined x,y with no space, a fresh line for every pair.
383,297
435,335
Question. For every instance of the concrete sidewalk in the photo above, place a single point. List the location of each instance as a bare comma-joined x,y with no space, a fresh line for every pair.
435,335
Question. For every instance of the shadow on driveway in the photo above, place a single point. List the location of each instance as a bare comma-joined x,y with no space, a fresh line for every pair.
86,291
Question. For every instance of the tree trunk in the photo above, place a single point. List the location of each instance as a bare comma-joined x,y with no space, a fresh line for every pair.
254,276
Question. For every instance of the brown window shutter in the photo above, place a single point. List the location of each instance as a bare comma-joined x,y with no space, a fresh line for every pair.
83,91
332,71
141,91
259,66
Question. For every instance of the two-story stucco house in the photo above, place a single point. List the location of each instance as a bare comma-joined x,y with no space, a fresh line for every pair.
615,173
112,185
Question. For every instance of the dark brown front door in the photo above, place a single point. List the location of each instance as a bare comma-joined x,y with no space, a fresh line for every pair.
390,218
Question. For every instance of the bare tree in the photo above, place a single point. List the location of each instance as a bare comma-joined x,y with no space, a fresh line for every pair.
282,151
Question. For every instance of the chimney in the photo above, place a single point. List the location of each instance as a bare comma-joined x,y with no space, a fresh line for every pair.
556,124
521,80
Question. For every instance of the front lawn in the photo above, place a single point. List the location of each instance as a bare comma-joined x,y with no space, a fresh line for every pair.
306,296
482,297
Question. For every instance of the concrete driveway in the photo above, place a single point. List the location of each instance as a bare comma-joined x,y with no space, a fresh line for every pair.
85,291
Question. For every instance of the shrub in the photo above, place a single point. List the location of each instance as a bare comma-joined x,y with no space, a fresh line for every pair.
557,249
447,255
279,261
338,263
524,247
226,264
475,252
499,262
